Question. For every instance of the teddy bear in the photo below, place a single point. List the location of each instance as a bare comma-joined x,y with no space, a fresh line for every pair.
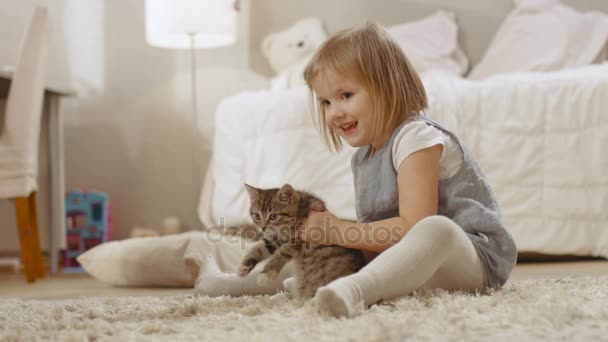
289,51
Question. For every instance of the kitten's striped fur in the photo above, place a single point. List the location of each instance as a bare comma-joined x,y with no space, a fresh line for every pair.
279,213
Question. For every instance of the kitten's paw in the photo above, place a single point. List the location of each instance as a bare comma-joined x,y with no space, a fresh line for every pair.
244,270
266,278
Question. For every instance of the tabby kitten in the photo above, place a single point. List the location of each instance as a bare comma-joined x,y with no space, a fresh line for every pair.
279,213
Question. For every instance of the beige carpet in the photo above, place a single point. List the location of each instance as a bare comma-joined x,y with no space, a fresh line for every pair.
569,309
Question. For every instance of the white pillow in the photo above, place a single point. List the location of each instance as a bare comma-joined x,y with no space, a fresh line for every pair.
543,35
167,261
431,43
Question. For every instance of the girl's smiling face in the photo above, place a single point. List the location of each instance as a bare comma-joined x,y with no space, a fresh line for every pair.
348,107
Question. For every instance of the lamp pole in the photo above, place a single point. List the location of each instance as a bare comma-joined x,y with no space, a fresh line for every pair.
195,140
192,24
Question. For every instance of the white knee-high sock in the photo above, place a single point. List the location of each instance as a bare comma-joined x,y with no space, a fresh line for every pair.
213,282
291,284
397,271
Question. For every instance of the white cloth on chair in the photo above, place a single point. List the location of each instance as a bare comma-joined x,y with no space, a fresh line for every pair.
21,130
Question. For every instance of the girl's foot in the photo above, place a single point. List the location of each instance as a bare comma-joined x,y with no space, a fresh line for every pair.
210,277
340,298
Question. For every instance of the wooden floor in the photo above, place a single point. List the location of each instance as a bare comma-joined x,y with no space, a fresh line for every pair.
75,285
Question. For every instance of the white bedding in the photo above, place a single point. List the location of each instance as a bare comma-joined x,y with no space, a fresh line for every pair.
540,138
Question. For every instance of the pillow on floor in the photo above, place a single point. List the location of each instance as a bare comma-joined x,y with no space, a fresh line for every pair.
167,261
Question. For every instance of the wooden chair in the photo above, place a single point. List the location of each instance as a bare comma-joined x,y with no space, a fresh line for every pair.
19,141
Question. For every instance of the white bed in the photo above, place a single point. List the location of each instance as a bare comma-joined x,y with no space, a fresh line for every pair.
540,138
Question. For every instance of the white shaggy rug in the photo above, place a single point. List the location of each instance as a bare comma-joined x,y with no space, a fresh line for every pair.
571,309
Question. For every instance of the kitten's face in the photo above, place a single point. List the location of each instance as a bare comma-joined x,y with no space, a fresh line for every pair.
274,210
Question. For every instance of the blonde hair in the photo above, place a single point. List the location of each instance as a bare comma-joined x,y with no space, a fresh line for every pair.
369,55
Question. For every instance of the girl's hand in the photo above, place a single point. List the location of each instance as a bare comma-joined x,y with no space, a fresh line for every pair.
321,228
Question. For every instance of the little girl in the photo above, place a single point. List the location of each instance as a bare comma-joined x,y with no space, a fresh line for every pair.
421,200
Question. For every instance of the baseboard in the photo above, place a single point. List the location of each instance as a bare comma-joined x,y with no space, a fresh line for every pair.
10,265
539,257
8,268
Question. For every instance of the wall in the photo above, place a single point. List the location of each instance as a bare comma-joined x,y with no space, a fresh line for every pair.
128,131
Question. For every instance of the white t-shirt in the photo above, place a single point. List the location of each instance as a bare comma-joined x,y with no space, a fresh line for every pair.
418,135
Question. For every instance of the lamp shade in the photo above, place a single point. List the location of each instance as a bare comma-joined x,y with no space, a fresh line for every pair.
171,23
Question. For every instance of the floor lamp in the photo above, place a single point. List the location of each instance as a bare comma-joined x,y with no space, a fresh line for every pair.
191,24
